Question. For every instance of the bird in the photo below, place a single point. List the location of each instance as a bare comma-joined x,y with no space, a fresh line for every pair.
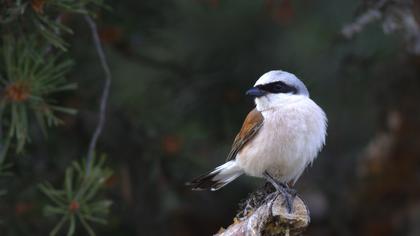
279,138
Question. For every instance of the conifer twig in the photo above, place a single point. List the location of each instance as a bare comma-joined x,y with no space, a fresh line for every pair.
105,91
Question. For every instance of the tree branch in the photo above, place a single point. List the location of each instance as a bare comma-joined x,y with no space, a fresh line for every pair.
372,14
263,213
395,16
105,91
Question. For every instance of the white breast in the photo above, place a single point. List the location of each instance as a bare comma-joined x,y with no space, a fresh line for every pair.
289,140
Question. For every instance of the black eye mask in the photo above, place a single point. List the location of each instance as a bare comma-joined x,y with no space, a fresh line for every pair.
277,87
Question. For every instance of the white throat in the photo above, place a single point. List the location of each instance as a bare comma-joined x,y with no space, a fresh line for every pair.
273,101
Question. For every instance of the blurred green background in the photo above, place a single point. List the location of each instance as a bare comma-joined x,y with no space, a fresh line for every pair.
180,70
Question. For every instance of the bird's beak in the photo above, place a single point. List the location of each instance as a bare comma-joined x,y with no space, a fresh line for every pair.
255,92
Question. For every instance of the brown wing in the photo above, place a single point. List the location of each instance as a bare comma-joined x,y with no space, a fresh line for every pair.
253,122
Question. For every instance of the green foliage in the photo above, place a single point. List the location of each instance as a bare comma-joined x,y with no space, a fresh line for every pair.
45,16
12,11
4,171
51,29
32,73
77,201
28,80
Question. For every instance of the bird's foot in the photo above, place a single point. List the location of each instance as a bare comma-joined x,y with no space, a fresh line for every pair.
292,192
288,194
288,201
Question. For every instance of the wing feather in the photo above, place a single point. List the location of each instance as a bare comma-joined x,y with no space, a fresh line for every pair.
252,124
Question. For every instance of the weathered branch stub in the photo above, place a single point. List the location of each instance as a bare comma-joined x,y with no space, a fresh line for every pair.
263,213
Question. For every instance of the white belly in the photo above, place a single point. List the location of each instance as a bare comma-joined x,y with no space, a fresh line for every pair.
289,140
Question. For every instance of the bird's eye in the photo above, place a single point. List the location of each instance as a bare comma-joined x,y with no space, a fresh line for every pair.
278,87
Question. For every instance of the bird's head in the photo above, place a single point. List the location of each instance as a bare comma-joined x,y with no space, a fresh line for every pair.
277,88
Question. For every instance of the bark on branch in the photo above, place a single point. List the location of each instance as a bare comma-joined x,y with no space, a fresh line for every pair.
263,213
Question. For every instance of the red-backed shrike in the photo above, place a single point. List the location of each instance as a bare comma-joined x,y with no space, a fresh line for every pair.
278,139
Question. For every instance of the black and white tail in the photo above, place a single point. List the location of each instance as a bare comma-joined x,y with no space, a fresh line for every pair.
217,178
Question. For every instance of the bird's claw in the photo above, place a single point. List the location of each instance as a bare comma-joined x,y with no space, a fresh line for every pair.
281,188
288,199
291,192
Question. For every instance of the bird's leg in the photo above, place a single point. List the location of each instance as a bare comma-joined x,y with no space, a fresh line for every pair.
288,193
290,190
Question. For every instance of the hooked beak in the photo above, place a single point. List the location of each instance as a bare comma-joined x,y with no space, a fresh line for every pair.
255,92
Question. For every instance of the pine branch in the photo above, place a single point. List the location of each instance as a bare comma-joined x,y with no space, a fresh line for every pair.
29,79
30,71
77,200
105,91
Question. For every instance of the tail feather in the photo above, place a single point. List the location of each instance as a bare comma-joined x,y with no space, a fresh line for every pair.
217,178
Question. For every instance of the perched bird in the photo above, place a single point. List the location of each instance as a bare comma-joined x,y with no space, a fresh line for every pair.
279,138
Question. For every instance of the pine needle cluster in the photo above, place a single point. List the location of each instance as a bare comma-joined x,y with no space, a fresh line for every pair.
34,66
